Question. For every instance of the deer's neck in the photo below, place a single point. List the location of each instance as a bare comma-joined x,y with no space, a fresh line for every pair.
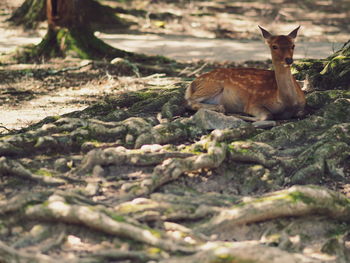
287,93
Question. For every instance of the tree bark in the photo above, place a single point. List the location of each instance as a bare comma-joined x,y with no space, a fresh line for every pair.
69,34
29,14
100,17
330,73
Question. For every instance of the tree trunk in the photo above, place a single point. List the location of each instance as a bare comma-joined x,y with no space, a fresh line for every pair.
29,14
330,73
69,34
100,17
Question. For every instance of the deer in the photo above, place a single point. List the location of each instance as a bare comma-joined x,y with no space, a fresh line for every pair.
262,94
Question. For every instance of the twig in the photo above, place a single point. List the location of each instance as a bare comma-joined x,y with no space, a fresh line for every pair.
54,72
198,70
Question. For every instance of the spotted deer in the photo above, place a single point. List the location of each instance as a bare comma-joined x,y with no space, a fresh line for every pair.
263,94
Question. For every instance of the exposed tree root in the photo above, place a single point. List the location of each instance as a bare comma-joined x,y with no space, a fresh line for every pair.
241,252
114,254
172,169
168,207
11,167
295,201
17,202
10,255
56,209
122,156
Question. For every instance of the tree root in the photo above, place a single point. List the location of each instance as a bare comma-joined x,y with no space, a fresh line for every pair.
11,167
295,201
148,210
122,156
56,209
17,202
172,169
241,252
114,254
9,255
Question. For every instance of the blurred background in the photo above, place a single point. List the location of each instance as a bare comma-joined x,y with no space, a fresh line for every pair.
207,30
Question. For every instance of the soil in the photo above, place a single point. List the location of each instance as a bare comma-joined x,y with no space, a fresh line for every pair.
188,31
100,161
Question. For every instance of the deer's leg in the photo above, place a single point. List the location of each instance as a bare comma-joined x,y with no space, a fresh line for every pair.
195,105
205,99
260,113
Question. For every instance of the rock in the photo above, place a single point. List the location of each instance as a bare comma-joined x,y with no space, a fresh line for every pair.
211,120
264,124
125,66
61,165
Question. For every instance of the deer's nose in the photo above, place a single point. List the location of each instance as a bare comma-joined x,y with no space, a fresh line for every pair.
289,61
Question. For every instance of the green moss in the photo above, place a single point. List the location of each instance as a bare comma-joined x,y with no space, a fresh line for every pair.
155,233
116,217
127,208
339,231
330,73
294,197
43,172
154,250
300,197
235,149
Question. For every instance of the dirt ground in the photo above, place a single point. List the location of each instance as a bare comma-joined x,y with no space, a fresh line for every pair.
184,30
129,175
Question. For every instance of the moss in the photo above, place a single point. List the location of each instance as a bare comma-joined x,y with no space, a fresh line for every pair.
155,233
29,14
77,41
233,148
300,197
116,217
43,172
127,208
194,148
330,73
154,251
338,231
294,197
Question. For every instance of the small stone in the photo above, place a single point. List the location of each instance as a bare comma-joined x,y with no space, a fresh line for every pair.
129,139
264,124
98,171
211,120
117,60
151,147
17,230
60,165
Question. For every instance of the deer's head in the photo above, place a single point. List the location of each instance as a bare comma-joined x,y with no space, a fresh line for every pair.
282,46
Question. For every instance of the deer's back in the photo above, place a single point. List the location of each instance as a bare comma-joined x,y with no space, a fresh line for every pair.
239,86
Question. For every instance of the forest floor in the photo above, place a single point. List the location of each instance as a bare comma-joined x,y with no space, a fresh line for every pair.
188,31
100,162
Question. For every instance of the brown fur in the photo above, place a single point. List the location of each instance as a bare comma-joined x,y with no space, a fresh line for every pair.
257,92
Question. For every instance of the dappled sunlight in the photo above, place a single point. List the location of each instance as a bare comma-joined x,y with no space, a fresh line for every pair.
184,48
117,165
191,48
10,39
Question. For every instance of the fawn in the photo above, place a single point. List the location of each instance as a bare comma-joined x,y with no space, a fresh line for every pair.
264,94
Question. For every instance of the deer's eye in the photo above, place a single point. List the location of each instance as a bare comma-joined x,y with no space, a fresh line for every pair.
275,47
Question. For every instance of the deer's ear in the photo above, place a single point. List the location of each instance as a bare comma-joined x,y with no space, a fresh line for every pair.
266,34
294,33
